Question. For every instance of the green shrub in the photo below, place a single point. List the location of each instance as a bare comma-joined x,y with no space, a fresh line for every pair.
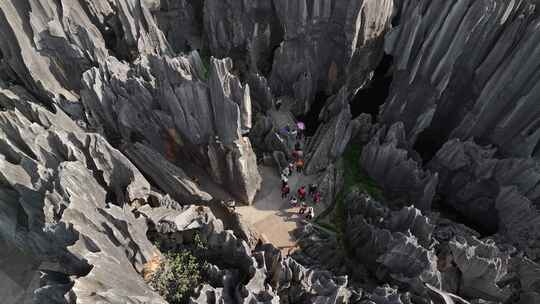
181,272
177,277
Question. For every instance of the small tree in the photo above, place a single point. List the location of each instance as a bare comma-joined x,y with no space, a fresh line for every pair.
177,277
181,272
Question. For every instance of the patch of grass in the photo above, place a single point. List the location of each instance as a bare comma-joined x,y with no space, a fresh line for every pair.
355,176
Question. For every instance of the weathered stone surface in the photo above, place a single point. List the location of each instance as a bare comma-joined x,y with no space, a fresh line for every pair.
329,185
269,277
496,194
51,48
482,265
519,220
391,243
74,210
193,120
247,30
327,44
181,23
64,196
332,136
441,297
304,47
459,72
166,175
386,160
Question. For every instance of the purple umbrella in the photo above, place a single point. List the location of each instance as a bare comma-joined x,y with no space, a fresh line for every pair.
300,125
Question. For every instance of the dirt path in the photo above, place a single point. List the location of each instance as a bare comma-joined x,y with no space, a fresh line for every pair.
270,214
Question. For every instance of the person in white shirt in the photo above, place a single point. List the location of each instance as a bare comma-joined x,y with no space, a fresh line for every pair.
293,201
284,180
310,214
286,171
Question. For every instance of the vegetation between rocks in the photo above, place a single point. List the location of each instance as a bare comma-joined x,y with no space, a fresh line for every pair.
353,177
180,273
205,58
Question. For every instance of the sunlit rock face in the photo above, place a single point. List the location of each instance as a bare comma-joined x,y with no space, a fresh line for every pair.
467,69
64,217
50,48
164,103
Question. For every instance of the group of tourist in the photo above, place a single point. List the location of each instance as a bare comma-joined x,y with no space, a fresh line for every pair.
300,199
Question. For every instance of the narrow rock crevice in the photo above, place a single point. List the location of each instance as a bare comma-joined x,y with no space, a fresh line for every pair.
113,35
369,100
441,205
311,118
427,144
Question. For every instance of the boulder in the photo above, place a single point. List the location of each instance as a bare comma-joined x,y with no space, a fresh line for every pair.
166,175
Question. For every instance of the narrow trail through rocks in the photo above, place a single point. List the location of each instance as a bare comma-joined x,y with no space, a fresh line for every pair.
270,214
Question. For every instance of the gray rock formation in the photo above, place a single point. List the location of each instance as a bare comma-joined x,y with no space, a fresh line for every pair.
386,160
49,53
482,266
519,220
332,136
246,31
527,273
193,120
458,72
496,194
270,278
320,250
181,23
304,47
64,212
327,44
166,175
105,131
50,49
393,244
329,185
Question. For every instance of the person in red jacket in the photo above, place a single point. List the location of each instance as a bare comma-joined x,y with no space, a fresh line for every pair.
302,193
285,190
317,197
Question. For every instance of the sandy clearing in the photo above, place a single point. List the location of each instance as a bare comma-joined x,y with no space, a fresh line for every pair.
270,214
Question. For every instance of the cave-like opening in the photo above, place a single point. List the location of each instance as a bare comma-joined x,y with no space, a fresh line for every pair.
486,229
427,144
112,34
370,99
311,118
